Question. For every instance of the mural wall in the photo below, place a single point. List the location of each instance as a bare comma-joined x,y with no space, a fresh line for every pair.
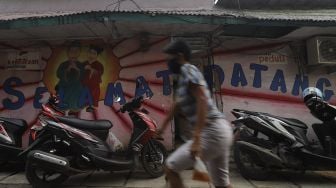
267,79
89,74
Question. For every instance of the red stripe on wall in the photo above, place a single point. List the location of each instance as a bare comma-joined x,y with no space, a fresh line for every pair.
26,100
123,119
150,82
249,48
157,108
119,42
24,84
10,46
263,96
144,64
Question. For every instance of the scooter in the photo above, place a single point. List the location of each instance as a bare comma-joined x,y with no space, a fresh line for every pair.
12,131
265,142
71,146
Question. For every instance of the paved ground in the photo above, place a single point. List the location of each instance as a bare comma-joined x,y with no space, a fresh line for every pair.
15,179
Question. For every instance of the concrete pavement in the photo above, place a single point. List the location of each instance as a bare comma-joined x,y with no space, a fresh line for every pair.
99,179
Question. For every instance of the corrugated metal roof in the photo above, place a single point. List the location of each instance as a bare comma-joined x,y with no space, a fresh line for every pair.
21,9
281,15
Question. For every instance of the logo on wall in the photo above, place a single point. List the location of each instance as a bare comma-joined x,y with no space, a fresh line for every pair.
79,72
24,60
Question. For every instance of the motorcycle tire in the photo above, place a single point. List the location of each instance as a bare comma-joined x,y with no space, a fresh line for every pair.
37,182
32,168
245,171
153,150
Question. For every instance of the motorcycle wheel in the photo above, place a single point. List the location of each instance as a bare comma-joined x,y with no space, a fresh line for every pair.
39,177
153,156
248,165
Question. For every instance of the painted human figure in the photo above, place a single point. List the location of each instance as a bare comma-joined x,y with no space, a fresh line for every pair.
69,74
93,71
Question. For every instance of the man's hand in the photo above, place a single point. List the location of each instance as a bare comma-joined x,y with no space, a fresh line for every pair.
93,72
72,65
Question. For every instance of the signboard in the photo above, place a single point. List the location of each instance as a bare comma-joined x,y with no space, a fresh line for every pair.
24,60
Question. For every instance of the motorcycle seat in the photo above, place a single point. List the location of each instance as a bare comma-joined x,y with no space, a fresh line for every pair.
86,124
22,124
290,121
293,122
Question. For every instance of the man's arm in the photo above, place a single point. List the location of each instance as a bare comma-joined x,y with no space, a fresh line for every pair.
168,118
198,92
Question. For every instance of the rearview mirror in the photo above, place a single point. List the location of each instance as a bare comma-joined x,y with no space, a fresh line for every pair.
116,99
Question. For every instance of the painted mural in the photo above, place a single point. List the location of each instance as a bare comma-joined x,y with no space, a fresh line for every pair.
267,79
90,74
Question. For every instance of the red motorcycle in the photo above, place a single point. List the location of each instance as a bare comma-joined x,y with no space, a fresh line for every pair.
69,146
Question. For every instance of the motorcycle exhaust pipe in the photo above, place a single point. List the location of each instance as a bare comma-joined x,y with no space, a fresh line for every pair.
53,162
50,159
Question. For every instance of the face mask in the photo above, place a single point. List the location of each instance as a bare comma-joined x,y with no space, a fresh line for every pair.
174,66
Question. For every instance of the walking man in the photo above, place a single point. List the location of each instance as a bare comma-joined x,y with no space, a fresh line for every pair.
212,134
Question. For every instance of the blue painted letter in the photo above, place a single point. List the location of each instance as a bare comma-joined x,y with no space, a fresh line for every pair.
257,73
166,81
238,76
327,93
279,81
212,70
7,86
114,91
142,87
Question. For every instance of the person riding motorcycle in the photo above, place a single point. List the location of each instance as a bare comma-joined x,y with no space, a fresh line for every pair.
314,100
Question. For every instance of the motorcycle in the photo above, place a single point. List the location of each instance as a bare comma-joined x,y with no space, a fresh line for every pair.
264,142
70,146
12,131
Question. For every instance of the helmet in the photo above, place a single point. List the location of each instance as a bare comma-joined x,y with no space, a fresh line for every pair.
312,92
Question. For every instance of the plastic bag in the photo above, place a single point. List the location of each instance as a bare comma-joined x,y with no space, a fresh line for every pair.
114,142
200,172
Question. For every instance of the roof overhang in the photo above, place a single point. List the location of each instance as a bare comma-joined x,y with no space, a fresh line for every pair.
215,17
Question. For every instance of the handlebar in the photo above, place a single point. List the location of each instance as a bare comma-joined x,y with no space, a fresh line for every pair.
321,109
133,104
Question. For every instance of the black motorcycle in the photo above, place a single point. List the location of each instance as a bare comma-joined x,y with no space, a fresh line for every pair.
11,132
69,146
265,142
